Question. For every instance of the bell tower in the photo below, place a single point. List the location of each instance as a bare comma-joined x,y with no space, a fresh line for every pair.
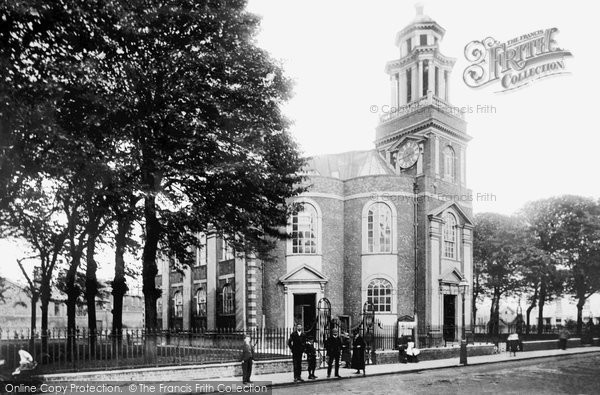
422,133
423,139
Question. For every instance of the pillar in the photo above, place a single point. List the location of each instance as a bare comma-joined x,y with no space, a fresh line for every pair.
419,79
251,277
211,281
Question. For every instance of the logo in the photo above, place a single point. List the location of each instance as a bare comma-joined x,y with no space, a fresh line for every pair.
515,63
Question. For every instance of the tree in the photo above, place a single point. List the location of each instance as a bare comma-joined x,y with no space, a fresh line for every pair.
182,90
35,217
568,227
50,115
495,248
205,127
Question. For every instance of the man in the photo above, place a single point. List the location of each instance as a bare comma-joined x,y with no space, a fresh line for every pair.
247,357
334,348
296,343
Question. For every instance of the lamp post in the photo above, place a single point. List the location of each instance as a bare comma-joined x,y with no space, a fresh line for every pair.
463,286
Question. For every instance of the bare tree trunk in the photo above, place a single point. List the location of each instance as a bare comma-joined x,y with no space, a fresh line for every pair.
34,301
149,273
91,290
580,304
530,308
119,284
542,301
73,292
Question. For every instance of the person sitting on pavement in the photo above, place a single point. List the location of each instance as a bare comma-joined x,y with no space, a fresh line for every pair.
26,362
412,353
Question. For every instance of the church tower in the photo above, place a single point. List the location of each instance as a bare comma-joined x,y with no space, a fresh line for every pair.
423,136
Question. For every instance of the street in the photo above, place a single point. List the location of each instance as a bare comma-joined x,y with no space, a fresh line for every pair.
578,374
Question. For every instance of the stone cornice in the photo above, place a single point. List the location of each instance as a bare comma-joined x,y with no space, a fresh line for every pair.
395,65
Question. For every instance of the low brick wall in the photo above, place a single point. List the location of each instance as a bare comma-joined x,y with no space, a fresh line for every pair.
536,345
427,354
174,373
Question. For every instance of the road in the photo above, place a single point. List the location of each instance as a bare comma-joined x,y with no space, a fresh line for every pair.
576,374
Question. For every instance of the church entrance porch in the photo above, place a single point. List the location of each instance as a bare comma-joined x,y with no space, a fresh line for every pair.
449,317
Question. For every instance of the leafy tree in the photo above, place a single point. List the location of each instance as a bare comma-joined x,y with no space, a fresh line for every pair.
180,89
202,105
568,228
35,218
495,249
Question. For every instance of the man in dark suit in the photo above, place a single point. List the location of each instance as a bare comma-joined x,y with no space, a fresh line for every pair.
334,349
296,343
247,357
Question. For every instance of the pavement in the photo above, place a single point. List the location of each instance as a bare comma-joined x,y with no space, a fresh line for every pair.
286,379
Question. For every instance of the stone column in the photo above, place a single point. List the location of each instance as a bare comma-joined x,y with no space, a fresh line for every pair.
187,298
240,292
419,80
211,281
251,292
430,76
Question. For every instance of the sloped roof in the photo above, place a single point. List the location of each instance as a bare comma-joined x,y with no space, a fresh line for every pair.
348,165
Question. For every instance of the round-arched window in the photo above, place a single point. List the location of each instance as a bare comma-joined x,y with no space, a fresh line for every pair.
379,293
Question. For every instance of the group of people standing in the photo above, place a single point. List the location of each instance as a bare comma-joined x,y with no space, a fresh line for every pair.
300,344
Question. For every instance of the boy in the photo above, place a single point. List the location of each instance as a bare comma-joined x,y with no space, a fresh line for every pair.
311,358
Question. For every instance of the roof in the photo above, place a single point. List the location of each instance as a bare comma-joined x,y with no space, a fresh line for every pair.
349,165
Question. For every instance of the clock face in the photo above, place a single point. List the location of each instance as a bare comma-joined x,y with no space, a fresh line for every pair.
408,154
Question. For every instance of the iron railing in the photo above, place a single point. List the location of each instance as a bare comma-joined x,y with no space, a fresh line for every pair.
63,351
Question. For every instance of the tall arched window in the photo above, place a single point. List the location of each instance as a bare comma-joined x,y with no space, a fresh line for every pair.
379,293
304,230
200,298
228,299
178,304
449,231
379,228
449,163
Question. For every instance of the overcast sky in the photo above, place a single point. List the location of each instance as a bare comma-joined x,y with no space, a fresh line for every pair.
542,141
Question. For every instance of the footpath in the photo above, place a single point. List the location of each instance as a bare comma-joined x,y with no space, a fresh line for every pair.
285,379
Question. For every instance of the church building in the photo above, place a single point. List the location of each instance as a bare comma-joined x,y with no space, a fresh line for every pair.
389,227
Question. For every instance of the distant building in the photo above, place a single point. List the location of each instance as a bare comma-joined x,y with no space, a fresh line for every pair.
15,312
556,313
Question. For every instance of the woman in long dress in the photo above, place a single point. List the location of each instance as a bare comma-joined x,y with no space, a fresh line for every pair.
358,354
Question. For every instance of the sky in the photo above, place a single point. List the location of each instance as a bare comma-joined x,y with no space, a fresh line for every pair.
540,142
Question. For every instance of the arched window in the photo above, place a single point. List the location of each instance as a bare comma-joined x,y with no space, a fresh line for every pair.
379,293
200,298
178,304
304,230
379,228
449,163
228,299
449,231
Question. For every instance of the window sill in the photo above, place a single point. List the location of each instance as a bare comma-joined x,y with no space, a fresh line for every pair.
380,253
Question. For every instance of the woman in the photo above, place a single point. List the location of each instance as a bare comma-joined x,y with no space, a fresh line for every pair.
358,354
